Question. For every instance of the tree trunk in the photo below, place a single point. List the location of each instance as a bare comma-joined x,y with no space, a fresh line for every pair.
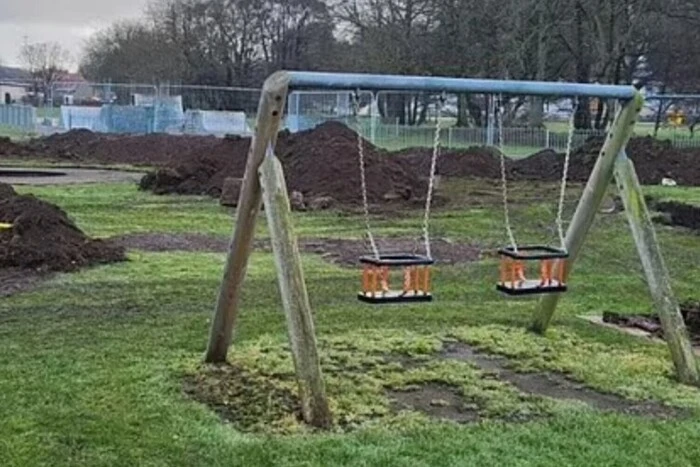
463,110
582,119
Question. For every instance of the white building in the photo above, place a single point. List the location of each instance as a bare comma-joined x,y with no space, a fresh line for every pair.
12,93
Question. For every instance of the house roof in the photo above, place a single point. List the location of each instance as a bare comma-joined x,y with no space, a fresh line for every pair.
69,82
14,74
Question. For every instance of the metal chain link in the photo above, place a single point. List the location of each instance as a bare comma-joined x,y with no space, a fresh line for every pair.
363,178
504,175
564,177
431,180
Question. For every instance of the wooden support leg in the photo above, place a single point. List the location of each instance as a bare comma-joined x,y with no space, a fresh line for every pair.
272,102
656,273
590,201
295,299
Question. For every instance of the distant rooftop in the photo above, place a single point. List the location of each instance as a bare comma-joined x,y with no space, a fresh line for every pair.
10,74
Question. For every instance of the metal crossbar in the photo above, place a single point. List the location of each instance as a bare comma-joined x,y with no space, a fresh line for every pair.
352,81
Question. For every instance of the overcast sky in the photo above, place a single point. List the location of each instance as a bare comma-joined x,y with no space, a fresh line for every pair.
68,22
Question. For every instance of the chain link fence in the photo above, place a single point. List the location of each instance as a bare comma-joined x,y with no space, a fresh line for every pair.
389,119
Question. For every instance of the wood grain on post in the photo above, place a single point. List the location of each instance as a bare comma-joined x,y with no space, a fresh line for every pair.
657,276
295,299
590,201
270,110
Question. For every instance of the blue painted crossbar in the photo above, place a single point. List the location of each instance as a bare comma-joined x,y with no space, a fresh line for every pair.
352,81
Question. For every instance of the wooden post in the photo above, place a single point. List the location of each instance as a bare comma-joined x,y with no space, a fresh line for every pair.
655,270
270,112
295,300
590,201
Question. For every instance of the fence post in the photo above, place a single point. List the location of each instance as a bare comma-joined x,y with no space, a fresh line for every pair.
449,137
547,142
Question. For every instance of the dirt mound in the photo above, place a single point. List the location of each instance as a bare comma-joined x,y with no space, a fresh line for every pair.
653,159
10,149
41,236
99,148
477,161
322,162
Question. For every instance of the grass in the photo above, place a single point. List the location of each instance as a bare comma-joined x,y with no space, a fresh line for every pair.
93,362
14,133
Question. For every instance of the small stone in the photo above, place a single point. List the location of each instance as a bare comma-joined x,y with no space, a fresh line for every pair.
392,196
321,203
231,191
296,200
439,403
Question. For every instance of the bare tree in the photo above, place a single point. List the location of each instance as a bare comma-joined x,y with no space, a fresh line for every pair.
46,61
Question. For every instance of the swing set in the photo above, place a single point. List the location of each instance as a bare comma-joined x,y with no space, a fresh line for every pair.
264,182
377,268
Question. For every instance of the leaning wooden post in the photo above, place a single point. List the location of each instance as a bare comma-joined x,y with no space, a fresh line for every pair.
591,199
295,300
655,270
270,110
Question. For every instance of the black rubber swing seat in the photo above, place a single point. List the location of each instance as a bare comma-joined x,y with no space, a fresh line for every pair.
376,275
552,270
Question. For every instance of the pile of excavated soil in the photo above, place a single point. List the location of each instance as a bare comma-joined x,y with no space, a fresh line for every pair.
10,149
654,160
477,161
322,162
158,150
42,237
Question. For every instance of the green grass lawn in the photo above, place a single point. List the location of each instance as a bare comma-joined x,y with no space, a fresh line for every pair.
93,362
16,134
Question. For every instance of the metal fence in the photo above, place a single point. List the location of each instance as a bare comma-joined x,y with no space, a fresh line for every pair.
392,120
515,140
143,108
20,117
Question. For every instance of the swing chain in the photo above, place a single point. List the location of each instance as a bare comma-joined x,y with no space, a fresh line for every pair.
504,175
431,180
363,178
565,173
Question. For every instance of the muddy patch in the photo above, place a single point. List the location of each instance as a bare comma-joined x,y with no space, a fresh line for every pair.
160,242
343,252
437,400
248,401
347,252
556,386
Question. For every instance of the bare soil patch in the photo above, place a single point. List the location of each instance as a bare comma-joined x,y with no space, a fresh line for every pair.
437,400
557,386
343,252
678,214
